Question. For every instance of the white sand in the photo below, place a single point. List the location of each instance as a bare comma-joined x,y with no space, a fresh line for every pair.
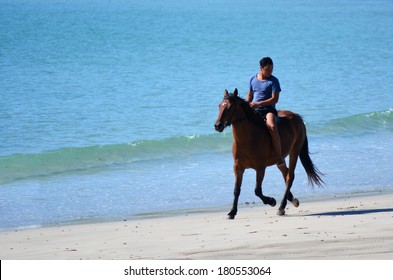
351,228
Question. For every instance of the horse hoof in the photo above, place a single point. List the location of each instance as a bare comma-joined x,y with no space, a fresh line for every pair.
281,212
231,215
295,202
273,202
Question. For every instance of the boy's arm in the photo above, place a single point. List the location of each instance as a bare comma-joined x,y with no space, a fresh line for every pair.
250,96
271,101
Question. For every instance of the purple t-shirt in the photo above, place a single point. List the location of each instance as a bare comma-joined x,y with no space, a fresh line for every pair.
263,90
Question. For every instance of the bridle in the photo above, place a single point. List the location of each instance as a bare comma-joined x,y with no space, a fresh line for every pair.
228,123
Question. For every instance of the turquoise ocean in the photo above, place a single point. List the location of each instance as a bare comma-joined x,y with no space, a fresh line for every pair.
107,107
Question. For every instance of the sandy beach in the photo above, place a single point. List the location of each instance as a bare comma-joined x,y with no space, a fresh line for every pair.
359,227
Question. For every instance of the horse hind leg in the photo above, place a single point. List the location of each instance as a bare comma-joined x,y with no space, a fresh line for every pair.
258,189
295,202
284,171
289,177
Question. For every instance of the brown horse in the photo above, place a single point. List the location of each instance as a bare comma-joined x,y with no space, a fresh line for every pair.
253,148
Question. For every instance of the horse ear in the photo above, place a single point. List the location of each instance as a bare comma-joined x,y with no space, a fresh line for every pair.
225,93
235,92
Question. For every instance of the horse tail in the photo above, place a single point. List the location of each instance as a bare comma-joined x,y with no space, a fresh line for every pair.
313,173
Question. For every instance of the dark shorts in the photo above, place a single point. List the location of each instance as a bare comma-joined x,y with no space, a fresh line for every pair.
262,111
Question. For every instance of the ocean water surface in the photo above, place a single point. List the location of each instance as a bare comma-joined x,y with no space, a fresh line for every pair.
107,107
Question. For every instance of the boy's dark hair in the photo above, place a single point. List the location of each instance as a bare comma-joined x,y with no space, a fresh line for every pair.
265,61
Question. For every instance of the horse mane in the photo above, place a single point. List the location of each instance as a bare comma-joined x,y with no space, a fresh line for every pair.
251,114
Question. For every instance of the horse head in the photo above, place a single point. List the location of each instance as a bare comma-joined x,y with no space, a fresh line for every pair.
227,109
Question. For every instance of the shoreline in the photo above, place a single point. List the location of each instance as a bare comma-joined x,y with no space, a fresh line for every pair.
192,211
353,227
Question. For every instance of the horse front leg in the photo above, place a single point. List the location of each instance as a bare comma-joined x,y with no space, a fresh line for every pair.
258,188
239,171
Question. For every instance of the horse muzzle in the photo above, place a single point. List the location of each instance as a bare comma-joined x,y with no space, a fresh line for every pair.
220,126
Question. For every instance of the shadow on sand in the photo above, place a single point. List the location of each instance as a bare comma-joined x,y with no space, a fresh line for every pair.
353,212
